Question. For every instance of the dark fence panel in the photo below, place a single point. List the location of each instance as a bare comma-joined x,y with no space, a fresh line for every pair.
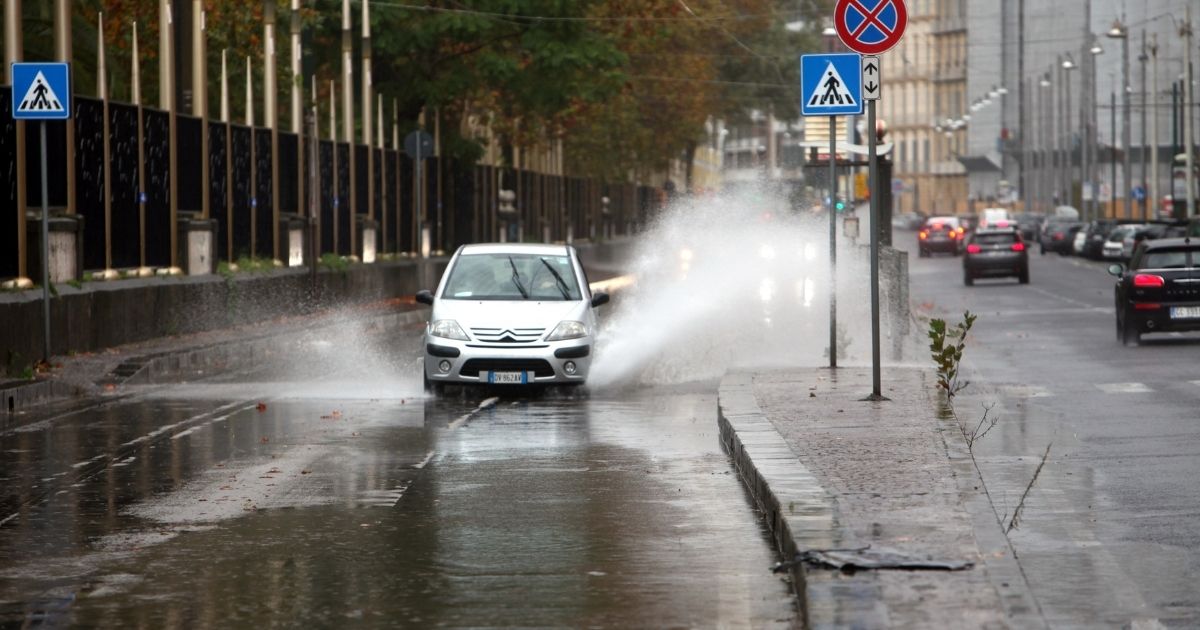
9,264
360,179
126,243
325,177
344,220
389,216
217,186
406,235
188,162
158,187
89,177
288,174
241,191
265,245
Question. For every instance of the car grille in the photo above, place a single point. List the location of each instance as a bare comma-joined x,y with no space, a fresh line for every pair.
539,367
508,335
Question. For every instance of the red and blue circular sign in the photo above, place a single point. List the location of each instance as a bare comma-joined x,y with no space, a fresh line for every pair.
870,27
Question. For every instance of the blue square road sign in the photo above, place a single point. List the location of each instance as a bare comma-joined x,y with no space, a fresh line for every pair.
831,85
41,91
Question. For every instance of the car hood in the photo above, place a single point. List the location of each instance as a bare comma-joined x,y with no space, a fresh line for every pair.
505,314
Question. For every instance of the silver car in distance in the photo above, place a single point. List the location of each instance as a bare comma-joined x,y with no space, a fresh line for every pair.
510,314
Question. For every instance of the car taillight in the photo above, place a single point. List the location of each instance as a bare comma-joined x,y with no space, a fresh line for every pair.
1002,224
1018,247
923,235
974,249
1148,281
1146,306
937,226
1058,236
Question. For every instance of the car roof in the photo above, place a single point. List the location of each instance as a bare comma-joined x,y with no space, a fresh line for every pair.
514,248
1172,243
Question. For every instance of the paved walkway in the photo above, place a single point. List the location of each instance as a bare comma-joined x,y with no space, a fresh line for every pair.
835,472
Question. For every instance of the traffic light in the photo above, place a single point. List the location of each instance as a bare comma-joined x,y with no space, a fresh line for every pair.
839,205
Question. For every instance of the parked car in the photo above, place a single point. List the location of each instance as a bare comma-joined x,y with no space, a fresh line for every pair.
994,218
1058,236
995,252
940,234
510,314
1118,240
1080,241
1160,290
908,221
1096,233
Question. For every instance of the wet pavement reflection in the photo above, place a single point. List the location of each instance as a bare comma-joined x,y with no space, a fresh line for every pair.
201,505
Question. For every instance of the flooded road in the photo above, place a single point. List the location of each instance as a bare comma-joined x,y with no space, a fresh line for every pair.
264,498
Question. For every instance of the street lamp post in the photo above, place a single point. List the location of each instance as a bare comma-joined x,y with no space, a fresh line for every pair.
1093,128
1046,138
1069,64
1143,58
1120,31
1153,194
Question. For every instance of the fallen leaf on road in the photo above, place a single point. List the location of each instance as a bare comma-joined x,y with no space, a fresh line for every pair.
305,472
264,439
261,407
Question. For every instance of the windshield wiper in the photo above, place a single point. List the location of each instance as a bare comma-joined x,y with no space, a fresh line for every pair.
558,280
516,278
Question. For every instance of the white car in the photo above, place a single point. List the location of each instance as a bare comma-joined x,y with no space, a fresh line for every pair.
1119,244
510,314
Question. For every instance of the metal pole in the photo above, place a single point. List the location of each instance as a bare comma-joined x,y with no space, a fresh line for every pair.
1127,165
1142,180
833,242
1154,125
1112,160
348,119
45,251
1188,124
136,94
12,53
873,183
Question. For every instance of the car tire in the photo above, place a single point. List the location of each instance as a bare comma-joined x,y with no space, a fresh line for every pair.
1130,334
1023,278
968,279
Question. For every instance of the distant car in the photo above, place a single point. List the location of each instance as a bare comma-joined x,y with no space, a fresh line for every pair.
1119,243
1058,236
1160,290
1030,225
940,234
1096,233
510,314
995,218
1079,243
908,221
998,252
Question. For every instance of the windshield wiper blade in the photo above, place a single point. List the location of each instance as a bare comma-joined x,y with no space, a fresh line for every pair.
516,278
558,280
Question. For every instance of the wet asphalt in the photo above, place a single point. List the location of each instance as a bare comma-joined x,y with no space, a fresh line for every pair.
286,497
1109,532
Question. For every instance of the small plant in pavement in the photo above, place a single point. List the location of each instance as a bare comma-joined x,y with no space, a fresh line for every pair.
947,345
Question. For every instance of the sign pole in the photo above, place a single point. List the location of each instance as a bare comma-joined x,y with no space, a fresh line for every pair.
873,176
45,251
832,242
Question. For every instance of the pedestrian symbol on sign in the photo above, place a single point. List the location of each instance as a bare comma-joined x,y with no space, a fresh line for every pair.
40,97
831,91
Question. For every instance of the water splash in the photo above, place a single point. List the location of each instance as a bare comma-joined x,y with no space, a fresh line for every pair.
733,281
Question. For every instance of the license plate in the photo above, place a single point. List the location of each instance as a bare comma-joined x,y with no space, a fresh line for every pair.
507,378
1185,312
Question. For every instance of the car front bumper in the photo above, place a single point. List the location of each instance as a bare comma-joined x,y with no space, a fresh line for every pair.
543,363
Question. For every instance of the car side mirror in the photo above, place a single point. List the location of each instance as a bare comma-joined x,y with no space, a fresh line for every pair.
599,298
1116,269
424,296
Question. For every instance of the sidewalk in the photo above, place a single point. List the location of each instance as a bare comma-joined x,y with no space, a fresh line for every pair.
832,472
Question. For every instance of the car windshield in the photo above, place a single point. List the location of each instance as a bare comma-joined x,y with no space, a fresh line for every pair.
1119,234
997,238
1165,259
513,277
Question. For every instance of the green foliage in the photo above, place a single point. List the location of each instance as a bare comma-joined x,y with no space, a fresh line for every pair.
334,262
946,349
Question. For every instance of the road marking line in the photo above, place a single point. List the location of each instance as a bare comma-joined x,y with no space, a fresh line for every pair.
1124,388
1026,391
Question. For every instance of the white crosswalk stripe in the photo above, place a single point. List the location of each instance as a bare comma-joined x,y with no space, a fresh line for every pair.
1124,388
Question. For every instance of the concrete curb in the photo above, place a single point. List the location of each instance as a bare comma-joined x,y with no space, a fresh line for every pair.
800,513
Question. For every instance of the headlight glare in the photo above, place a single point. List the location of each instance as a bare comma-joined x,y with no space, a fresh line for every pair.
567,330
448,329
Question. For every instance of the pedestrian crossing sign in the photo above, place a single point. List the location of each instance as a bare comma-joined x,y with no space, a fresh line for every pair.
831,85
41,91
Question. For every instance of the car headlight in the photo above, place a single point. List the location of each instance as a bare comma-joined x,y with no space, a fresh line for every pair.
448,329
567,330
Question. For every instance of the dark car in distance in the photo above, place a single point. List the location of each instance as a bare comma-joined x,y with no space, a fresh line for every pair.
940,234
1058,236
1160,290
993,253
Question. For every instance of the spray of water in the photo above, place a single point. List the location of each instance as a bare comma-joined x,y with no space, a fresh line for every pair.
733,281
